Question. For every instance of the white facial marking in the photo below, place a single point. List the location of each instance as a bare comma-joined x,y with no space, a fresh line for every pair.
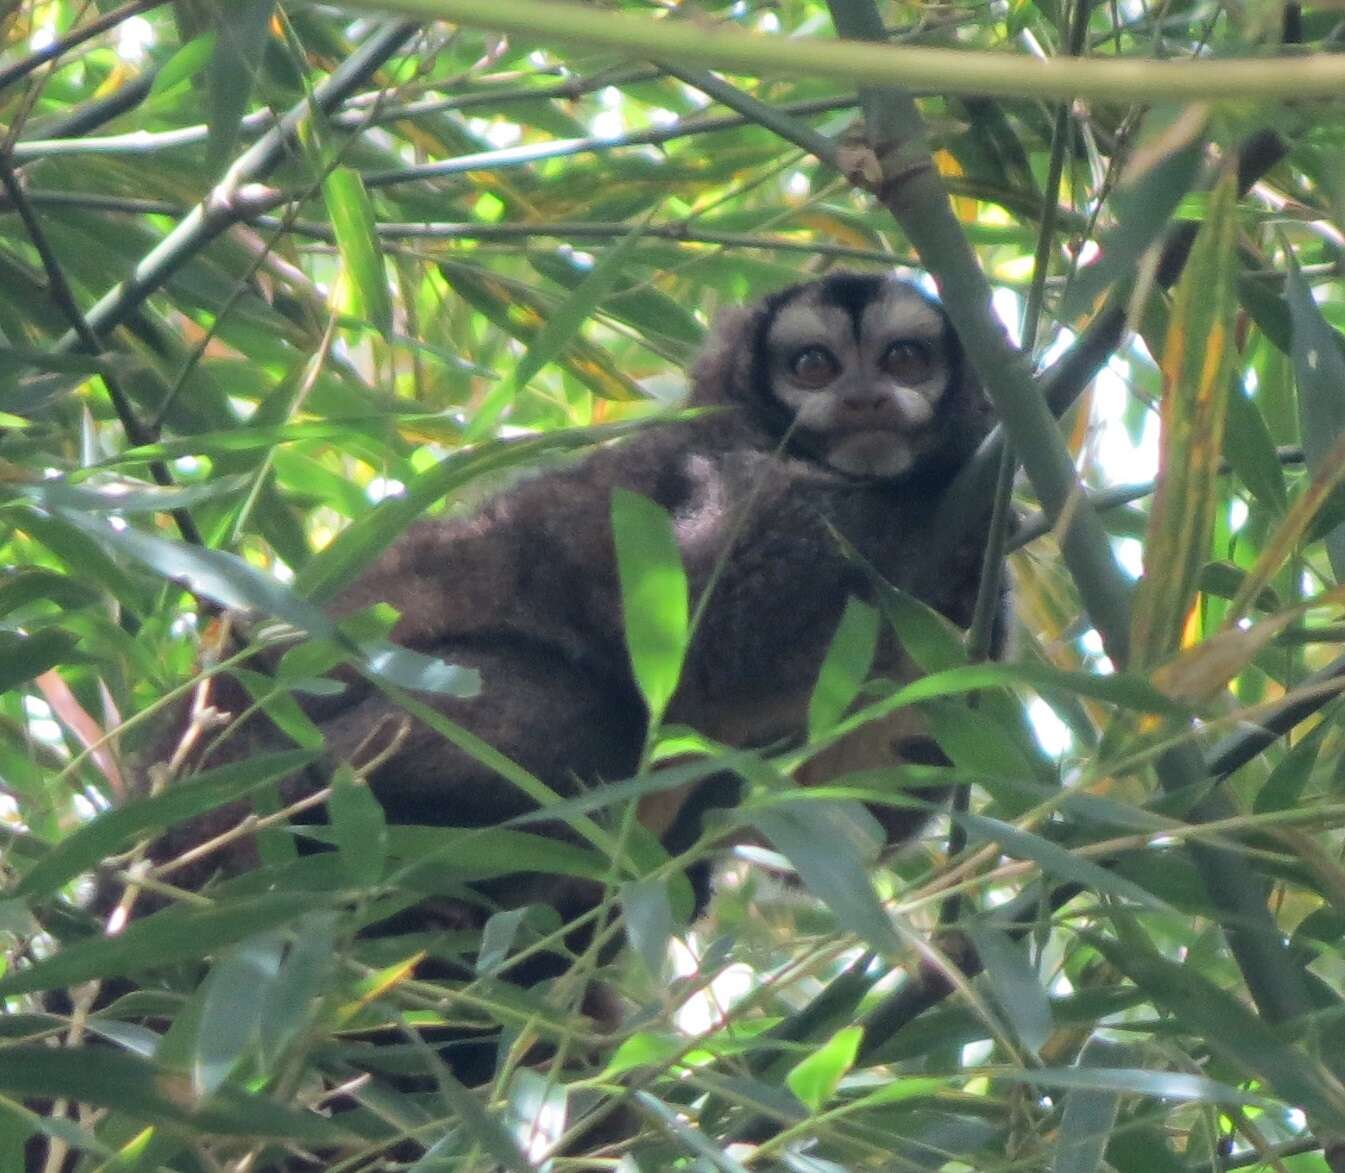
871,454
871,416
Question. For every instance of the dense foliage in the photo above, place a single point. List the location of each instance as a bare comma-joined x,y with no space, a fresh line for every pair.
279,277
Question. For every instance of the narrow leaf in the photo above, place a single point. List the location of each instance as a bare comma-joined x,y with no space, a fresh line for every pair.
564,324
845,666
1018,989
1319,369
815,1079
648,917
359,828
25,657
1090,1113
357,241
241,30
831,867
654,595
113,830
1143,209
127,1083
1198,359
1056,860
167,937
1230,1028
233,999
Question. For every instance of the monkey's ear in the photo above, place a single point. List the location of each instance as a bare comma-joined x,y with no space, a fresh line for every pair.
722,372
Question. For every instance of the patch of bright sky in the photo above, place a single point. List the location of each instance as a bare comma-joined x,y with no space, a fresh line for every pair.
382,487
134,37
42,723
611,121
1115,455
705,1010
497,132
41,37
1053,734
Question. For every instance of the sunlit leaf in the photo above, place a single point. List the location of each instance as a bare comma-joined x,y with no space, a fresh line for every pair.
1198,359
815,1079
354,222
654,595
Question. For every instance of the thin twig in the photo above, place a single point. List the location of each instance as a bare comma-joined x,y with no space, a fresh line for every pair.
236,197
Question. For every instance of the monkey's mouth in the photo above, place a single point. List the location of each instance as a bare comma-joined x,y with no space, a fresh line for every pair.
871,452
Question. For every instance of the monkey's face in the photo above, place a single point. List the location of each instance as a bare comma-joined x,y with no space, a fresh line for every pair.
862,367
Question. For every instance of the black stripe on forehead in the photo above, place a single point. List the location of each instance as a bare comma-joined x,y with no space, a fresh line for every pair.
853,293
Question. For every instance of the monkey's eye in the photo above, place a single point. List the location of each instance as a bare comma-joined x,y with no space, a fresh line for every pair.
814,366
907,362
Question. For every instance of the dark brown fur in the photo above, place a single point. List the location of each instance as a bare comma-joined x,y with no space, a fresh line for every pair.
526,592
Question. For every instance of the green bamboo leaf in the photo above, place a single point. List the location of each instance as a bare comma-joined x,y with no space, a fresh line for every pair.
647,914
1123,690
1163,1085
119,496
1283,789
1231,1029
1198,359
818,842
167,937
654,595
1319,370
558,330
141,1089
1142,1150
1056,861
290,1000
241,31
111,831
1089,1114
185,63
72,549
356,230
232,1001
1250,450
424,853
217,575
845,666
564,324
1143,209
632,299
22,657
484,1128
523,314
815,1079
1018,989
19,588
249,439
359,828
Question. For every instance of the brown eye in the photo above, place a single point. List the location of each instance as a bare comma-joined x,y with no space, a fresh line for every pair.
814,367
907,362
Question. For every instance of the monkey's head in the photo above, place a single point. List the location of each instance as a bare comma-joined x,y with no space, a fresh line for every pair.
859,372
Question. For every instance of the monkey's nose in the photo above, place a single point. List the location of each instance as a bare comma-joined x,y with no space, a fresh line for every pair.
867,402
